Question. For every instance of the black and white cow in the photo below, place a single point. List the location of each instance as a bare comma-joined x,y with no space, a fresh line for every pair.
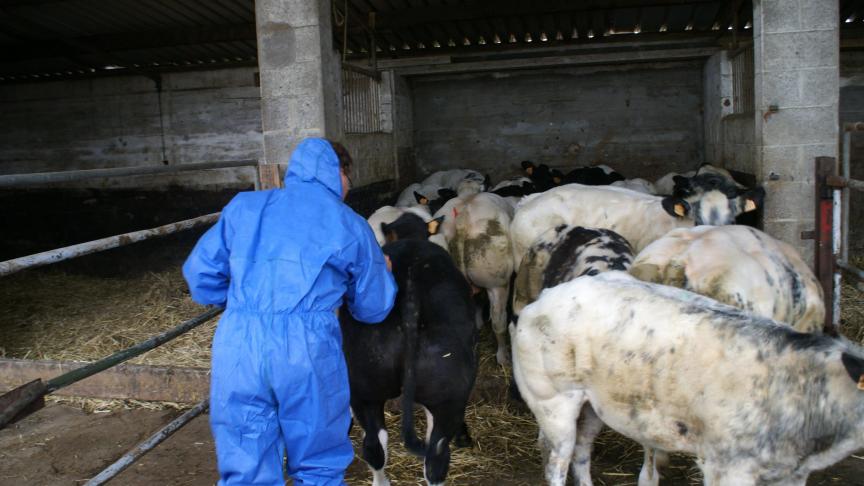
598,175
424,350
754,400
565,253
639,218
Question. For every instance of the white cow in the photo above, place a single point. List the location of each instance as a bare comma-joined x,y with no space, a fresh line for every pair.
637,184
477,233
740,266
388,214
754,400
639,218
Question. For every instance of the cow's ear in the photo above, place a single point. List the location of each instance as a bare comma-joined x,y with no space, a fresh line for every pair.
855,367
420,198
752,199
433,226
676,206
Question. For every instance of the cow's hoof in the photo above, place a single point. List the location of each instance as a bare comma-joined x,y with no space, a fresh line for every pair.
502,357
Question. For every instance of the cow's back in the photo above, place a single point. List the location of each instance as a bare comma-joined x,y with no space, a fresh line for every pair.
680,372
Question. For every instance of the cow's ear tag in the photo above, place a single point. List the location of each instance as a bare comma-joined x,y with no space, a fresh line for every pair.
529,171
424,200
861,382
680,210
749,205
556,180
432,226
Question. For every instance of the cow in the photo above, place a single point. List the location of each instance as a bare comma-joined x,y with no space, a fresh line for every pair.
666,185
639,218
389,214
740,266
478,237
424,350
637,184
542,177
756,401
564,253
598,175
463,181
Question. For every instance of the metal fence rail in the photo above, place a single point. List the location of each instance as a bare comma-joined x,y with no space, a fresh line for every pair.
28,398
843,190
19,180
144,447
58,255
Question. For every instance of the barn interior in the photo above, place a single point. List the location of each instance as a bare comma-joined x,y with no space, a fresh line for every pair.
410,87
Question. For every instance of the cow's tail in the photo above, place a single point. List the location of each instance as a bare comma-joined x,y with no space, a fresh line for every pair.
410,318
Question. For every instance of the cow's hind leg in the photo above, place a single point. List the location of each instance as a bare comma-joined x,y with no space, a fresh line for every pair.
370,416
498,316
649,476
587,429
449,421
557,418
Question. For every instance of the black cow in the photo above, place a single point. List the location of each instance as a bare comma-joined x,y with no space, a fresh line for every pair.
600,175
424,350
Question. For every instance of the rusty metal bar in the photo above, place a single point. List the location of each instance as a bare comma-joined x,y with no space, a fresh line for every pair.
853,127
21,401
57,255
824,257
144,447
16,180
18,405
124,381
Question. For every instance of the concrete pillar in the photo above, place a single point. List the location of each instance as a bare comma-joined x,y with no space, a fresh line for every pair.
717,99
300,75
796,55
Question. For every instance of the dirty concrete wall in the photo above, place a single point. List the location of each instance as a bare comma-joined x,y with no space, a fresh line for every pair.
852,110
643,119
115,122
739,142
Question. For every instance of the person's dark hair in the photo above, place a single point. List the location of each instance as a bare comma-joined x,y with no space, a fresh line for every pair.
345,162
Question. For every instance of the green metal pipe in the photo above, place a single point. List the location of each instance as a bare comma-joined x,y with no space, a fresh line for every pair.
129,353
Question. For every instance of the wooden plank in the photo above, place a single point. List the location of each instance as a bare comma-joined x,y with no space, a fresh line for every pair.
139,382
268,174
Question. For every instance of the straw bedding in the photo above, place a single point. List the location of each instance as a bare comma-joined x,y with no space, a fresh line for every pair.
49,314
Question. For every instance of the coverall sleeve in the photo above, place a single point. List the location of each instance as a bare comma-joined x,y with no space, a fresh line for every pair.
207,269
372,288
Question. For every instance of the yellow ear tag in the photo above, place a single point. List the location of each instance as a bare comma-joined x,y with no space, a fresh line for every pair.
749,205
861,382
680,211
556,180
424,200
529,171
432,227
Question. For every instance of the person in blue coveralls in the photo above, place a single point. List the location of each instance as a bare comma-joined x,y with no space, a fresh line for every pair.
281,262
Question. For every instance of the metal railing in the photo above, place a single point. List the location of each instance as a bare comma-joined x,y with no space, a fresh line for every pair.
67,252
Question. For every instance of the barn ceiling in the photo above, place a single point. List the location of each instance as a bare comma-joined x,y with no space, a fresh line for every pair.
52,39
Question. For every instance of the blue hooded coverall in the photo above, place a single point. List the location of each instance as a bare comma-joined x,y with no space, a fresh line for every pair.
281,261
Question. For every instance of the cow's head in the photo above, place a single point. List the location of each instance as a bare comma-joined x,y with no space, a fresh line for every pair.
410,227
711,199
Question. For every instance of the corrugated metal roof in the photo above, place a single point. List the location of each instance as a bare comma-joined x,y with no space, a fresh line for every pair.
49,39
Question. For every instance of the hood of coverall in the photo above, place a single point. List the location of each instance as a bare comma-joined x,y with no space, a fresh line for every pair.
314,160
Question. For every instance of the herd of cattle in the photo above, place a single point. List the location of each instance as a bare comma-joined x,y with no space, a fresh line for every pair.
638,305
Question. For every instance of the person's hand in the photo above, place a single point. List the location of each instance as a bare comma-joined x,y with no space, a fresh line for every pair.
389,263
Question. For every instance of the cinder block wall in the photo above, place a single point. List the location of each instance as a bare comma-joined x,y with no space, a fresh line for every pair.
642,119
115,122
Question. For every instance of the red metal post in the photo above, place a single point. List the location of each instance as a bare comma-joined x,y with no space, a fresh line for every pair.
824,264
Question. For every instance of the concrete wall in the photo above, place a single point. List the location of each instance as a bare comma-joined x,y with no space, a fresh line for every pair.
115,122
643,119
